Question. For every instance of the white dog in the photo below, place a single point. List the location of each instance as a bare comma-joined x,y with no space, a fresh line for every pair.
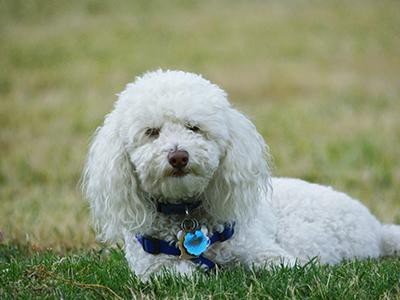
183,178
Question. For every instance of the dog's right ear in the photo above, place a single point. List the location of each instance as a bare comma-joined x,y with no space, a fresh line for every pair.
242,180
110,186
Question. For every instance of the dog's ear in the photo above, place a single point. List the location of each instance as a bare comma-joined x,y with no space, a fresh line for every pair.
243,177
110,185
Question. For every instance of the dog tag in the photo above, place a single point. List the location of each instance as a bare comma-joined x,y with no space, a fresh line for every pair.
192,241
196,242
184,253
188,225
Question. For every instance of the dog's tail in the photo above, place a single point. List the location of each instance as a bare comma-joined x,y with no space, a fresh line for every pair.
391,240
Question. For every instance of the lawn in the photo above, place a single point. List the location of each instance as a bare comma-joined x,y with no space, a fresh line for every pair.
321,81
104,274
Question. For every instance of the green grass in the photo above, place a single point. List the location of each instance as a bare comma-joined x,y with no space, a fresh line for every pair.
320,79
104,274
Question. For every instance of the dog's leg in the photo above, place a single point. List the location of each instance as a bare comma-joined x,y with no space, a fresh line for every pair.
144,265
264,256
163,265
390,240
255,253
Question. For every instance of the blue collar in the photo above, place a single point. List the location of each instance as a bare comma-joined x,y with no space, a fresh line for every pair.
155,246
177,209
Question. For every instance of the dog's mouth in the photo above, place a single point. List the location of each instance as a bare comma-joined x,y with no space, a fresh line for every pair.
179,173
182,172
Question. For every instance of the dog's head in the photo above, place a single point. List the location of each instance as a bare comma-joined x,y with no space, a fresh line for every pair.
172,137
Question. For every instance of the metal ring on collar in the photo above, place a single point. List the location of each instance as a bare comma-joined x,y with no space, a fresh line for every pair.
189,224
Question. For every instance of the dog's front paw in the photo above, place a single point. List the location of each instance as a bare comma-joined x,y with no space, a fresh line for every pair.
176,267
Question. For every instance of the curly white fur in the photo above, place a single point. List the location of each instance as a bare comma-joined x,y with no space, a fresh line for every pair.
278,220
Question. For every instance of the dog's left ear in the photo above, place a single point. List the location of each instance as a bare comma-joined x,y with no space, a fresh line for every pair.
109,184
243,177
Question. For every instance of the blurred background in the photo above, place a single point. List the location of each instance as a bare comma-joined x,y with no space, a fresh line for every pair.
320,79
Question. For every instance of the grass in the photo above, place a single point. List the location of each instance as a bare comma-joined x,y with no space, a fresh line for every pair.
320,80
104,274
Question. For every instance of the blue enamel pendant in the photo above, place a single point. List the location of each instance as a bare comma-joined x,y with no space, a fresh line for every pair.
192,241
196,243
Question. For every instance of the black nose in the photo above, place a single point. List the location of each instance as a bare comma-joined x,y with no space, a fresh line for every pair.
178,159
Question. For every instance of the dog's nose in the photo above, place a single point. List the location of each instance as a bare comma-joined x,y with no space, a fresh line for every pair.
178,159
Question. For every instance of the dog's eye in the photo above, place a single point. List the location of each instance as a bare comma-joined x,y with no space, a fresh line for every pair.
193,128
153,132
